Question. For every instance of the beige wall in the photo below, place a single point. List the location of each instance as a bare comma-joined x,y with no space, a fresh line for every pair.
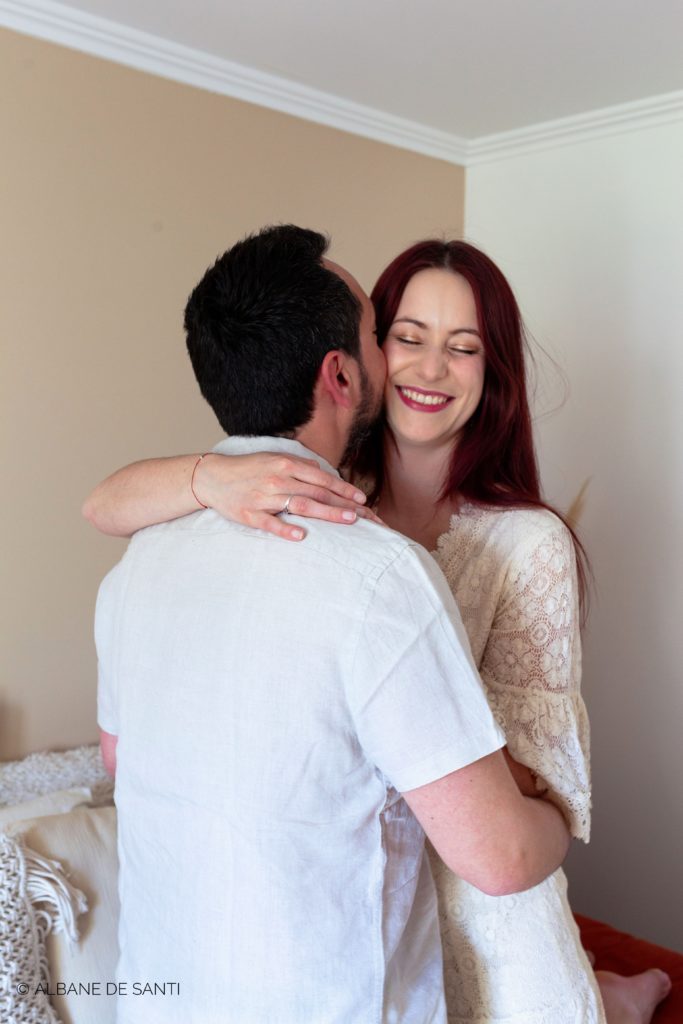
118,189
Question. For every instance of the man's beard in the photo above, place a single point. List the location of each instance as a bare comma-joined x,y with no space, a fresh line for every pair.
368,413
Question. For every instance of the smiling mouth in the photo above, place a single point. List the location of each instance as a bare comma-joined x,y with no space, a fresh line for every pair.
425,401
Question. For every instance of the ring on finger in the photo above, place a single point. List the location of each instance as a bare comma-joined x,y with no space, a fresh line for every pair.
286,505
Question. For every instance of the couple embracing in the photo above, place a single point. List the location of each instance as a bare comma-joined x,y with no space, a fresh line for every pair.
288,722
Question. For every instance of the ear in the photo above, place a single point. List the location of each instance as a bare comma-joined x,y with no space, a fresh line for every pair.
339,379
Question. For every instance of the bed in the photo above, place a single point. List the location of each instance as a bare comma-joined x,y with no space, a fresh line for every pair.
59,900
624,954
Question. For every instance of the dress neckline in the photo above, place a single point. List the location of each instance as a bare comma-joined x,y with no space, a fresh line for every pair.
466,508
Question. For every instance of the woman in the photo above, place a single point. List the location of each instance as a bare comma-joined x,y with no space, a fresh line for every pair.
453,467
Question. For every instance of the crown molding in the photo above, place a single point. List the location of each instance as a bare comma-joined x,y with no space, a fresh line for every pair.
101,37
58,23
596,124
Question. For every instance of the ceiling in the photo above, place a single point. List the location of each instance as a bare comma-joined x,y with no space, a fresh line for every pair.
470,68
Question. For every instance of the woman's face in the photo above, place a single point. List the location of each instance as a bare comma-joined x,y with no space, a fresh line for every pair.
435,360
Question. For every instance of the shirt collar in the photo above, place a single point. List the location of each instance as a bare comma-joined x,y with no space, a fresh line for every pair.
246,445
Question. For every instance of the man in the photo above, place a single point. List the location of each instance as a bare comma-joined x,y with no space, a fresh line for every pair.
271,702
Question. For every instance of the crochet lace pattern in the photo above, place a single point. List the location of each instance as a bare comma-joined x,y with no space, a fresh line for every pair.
519,958
513,576
49,771
23,929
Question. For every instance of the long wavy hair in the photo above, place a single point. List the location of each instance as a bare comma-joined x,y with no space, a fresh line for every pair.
494,462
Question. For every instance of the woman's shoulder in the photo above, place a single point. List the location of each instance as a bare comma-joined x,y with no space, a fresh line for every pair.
510,534
519,523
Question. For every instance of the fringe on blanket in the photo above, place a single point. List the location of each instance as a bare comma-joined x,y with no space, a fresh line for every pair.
36,897
47,883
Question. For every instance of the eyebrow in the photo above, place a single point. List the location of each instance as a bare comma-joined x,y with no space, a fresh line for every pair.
418,323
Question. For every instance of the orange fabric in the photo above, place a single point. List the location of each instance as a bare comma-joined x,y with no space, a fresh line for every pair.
624,954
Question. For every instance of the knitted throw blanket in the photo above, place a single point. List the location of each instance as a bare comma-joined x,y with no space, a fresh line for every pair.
35,897
49,771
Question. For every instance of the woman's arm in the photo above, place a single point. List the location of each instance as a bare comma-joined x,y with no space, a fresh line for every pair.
532,669
142,494
249,489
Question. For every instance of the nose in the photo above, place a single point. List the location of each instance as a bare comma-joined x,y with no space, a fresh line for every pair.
433,364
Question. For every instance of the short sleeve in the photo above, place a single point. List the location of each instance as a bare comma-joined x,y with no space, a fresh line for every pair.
106,630
414,693
532,668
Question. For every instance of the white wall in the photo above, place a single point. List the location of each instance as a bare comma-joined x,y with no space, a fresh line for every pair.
591,237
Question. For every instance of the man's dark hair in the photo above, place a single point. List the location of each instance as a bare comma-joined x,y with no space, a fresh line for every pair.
259,325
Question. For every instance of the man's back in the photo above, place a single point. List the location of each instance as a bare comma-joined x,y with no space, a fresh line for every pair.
270,699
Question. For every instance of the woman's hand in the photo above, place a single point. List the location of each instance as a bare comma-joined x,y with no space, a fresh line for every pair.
250,489
254,489
523,776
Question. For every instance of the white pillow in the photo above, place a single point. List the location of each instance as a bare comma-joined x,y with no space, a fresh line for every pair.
51,803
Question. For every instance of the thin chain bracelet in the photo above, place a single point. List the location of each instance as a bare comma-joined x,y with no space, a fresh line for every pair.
194,493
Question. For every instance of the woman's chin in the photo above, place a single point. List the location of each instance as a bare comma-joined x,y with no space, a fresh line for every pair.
427,440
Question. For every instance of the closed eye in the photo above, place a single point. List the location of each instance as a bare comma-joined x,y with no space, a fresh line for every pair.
454,349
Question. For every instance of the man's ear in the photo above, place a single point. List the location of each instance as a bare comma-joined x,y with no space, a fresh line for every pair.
339,379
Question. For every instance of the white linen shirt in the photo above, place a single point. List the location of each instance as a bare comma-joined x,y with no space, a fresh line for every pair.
271,702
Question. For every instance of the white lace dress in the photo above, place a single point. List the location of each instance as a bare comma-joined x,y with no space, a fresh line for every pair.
518,959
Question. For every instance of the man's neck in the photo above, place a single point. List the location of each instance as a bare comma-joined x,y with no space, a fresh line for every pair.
323,441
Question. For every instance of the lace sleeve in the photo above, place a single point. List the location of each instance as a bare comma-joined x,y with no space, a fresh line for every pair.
532,669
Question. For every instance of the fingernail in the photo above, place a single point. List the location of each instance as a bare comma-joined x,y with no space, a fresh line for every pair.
298,534
359,498
349,517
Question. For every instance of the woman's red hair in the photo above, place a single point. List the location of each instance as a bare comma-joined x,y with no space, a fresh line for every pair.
494,462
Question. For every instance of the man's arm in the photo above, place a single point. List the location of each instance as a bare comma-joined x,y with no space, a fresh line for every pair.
422,717
486,831
108,748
